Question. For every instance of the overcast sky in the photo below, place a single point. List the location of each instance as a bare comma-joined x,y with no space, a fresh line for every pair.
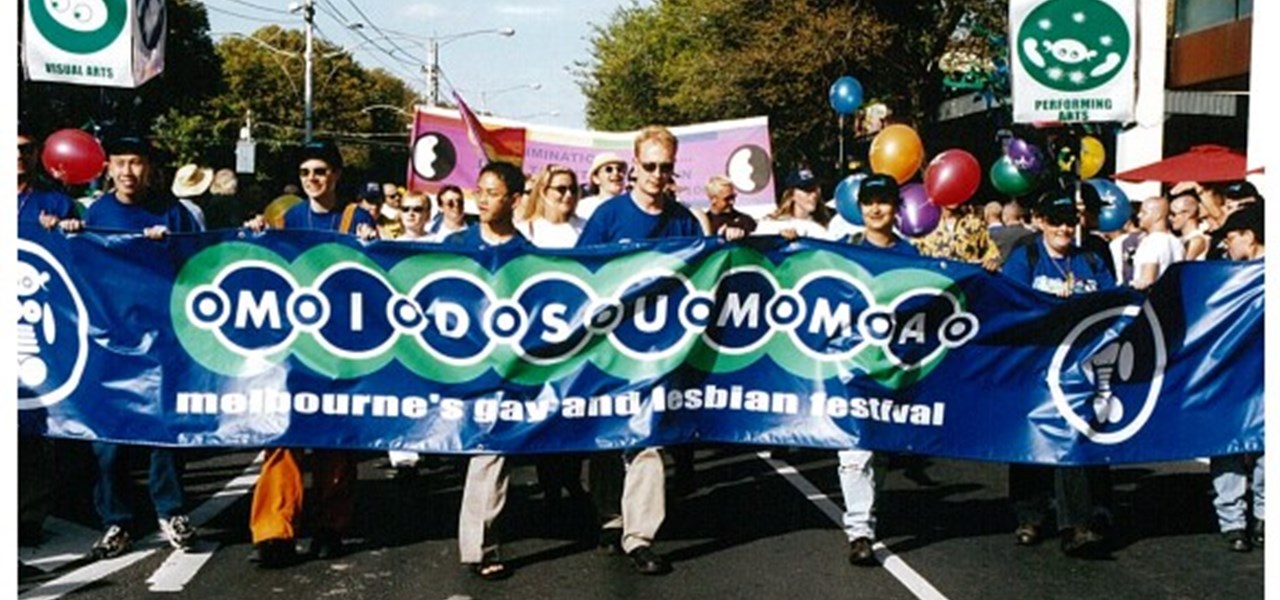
484,68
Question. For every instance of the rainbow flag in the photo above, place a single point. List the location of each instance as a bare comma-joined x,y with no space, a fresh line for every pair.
504,144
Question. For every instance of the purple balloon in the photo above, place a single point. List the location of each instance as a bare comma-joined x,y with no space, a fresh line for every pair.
917,216
1024,155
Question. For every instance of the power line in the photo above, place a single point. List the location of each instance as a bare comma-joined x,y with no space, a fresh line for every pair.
238,15
377,29
260,7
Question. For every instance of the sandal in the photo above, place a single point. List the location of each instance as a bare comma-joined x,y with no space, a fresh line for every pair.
490,569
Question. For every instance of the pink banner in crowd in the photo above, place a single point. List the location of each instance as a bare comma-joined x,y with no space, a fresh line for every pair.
740,150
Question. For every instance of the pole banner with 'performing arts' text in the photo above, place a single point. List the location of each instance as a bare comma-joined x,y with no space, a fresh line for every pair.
228,339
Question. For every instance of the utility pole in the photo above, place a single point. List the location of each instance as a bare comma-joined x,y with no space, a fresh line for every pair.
433,73
308,15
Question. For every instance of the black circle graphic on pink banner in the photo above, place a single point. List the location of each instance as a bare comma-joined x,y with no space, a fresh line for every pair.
434,156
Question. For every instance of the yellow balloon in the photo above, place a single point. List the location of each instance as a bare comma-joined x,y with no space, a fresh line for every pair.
897,151
1092,155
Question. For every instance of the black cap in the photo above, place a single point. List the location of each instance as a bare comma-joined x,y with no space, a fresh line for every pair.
1248,218
324,150
1056,207
128,144
1239,190
879,186
371,192
802,178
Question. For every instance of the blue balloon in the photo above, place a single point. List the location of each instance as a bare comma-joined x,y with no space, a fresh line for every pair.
1115,209
846,95
847,198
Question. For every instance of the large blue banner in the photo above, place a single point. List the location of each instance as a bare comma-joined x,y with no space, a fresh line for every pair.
290,338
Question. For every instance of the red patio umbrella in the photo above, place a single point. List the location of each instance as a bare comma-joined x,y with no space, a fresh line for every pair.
1200,163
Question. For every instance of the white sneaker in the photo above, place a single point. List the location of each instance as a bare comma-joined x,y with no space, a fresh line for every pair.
113,543
178,531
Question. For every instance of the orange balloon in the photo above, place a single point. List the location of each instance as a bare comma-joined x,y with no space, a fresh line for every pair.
897,151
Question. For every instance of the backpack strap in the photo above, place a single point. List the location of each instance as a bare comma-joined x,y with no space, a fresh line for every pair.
348,216
857,238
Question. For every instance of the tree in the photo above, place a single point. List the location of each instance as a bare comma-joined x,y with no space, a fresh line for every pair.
685,61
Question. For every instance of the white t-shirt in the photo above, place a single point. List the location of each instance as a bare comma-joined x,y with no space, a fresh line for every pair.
545,234
588,205
804,228
1159,247
442,233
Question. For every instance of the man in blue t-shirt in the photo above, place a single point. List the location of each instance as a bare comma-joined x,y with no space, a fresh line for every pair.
37,203
861,472
648,211
1052,263
278,496
136,204
630,521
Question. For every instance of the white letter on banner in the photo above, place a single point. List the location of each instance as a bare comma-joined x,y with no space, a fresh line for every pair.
441,311
558,329
914,330
740,311
267,310
829,321
659,319
357,311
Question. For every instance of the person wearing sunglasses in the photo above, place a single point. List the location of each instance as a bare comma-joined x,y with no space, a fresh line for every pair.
415,211
630,521
1053,263
554,199
800,212
608,175
278,496
452,216
723,218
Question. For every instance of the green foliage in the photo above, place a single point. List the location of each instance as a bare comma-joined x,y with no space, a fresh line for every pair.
685,61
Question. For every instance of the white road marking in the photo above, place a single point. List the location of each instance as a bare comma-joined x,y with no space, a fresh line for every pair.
891,562
64,542
178,569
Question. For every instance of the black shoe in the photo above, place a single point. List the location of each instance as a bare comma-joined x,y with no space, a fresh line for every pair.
610,541
327,545
861,554
1082,542
1237,540
1026,535
274,554
648,562
1256,538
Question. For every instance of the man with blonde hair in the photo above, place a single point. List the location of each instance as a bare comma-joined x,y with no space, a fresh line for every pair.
1158,248
721,214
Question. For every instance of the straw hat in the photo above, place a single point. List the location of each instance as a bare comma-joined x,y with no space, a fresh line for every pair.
191,180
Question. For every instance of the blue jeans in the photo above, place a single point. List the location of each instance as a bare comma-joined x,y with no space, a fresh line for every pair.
861,476
1231,484
109,495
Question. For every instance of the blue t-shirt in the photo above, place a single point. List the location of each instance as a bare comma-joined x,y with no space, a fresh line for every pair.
1078,273
110,214
899,246
50,202
619,220
300,216
471,238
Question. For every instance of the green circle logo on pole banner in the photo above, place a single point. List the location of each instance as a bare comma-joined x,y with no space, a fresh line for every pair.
1073,45
79,26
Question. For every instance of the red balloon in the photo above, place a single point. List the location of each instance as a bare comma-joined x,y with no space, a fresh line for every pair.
73,156
952,177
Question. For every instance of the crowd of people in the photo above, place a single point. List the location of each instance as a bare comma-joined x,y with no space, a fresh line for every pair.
1057,251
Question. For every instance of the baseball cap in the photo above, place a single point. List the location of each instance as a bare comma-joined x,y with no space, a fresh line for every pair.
371,192
1248,218
1239,190
128,144
878,186
802,178
324,150
1058,208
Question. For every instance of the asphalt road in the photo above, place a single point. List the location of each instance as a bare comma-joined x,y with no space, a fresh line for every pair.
752,525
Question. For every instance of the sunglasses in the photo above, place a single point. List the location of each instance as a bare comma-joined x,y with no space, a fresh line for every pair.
413,209
318,172
1060,220
564,189
393,197
450,201
664,168
611,169
26,147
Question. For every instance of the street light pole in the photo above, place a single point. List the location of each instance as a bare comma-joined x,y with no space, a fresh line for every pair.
308,15
433,72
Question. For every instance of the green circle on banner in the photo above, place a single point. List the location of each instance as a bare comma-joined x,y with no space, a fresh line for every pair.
79,26
1073,45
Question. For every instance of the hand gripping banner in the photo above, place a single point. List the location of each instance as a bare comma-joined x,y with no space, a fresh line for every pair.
230,339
